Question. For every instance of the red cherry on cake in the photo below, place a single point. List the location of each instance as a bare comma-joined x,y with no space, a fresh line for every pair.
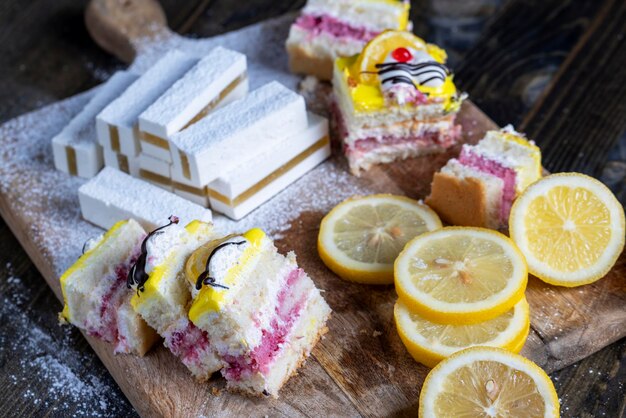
402,55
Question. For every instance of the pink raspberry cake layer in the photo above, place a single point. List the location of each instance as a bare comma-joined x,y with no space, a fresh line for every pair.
299,320
481,163
191,345
288,310
324,24
114,293
371,147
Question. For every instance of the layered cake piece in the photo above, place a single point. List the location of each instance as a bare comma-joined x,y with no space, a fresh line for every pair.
262,313
75,148
243,153
479,187
217,79
394,101
112,196
328,29
161,294
117,125
95,294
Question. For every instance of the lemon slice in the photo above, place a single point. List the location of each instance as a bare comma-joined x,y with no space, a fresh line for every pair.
430,342
361,237
460,275
570,227
488,382
378,48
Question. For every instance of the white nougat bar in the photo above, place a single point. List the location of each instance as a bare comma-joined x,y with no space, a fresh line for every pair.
112,196
121,162
154,165
117,124
199,91
247,127
252,182
75,148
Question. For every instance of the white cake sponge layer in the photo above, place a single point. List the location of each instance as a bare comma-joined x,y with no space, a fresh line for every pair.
323,45
201,85
112,196
374,15
75,148
249,126
123,113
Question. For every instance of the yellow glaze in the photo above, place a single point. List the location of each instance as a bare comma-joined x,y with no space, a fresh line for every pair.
210,298
82,262
366,94
151,287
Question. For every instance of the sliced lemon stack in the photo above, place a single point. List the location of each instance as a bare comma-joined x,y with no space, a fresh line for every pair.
459,288
488,382
361,237
460,275
570,227
430,342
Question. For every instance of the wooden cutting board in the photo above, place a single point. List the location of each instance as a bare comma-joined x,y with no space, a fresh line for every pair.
360,368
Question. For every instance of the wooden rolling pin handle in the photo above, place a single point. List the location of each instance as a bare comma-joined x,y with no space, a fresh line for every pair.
118,26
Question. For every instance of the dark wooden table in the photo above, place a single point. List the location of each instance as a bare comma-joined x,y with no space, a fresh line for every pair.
556,69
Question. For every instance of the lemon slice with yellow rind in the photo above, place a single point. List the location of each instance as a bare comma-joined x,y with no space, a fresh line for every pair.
570,227
378,48
361,237
488,382
430,342
460,275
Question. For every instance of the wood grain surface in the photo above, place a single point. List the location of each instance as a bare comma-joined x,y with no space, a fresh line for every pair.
582,395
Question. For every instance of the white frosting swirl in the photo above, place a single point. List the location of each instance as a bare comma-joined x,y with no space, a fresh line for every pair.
226,257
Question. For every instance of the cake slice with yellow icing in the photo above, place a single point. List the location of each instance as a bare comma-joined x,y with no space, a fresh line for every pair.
327,29
262,313
395,100
479,187
162,295
95,294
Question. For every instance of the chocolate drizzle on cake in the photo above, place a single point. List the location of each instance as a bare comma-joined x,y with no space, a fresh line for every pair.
205,278
422,73
137,275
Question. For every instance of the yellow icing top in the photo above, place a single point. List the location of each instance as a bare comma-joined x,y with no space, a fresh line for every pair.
81,263
210,298
363,87
151,287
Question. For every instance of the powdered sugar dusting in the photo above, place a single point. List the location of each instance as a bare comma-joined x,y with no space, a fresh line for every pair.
49,363
224,123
